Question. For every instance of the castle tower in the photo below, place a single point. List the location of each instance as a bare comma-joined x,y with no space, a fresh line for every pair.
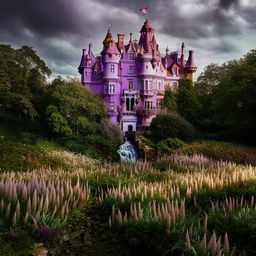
110,59
190,67
86,65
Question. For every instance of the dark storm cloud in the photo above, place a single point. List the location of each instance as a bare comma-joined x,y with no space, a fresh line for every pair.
59,29
200,20
227,3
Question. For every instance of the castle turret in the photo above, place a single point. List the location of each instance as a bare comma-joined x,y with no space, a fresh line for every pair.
147,50
190,66
85,67
110,57
82,62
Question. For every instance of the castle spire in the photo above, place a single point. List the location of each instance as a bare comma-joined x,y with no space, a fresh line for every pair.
147,38
108,38
191,62
83,61
109,44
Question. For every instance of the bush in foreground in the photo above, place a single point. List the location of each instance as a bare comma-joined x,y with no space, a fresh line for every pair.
171,125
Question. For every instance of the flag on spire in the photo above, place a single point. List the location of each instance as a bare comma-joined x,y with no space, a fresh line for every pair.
144,11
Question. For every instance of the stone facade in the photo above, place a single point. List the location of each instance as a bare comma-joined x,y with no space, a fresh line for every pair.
132,78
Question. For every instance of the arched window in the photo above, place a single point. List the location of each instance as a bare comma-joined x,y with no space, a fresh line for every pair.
132,103
127,104
130,85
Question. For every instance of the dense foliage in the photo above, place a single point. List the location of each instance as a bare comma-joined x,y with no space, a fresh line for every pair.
73,109
62,110
228,93
188,104
22,82
171,125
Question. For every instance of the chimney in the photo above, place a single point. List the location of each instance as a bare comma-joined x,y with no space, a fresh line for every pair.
120,42
182,48
182,54
130,37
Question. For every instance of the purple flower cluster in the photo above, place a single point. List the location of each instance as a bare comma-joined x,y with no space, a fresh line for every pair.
46,233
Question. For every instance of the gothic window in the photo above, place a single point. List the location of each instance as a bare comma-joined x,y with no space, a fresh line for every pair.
131,56
130,69
111,89
112,106
112,68
132,103
130,85
127,101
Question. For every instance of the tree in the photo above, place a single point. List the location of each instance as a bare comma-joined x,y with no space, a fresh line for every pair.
22,82
209,79
171,125
233,101
188,104
169,101
73,109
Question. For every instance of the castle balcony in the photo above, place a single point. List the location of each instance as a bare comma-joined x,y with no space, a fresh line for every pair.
129,113
146,92
131,92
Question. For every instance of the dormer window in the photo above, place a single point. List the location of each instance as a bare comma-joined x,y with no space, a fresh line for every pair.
131,56
175,71
112,68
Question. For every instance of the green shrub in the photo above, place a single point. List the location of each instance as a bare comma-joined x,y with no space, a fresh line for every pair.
170,143
171,125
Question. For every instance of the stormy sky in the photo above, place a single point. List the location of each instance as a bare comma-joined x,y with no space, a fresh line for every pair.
218,30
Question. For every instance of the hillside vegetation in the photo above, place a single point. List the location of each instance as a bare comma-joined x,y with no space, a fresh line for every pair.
180,203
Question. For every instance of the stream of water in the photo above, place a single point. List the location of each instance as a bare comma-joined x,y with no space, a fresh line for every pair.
127,152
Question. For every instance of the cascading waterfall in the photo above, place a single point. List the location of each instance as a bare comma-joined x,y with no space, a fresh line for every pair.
127,152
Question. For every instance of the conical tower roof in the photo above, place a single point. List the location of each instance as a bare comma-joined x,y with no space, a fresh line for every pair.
109,44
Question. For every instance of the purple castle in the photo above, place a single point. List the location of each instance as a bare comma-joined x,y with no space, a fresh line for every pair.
132,78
